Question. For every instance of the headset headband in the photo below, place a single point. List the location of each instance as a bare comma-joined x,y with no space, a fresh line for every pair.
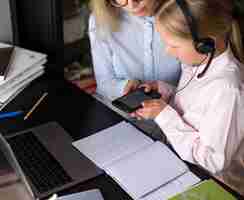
190,19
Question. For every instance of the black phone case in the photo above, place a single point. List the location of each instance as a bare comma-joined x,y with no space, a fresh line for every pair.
122,103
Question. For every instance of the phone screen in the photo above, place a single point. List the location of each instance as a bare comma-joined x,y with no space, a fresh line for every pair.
131,101
134,99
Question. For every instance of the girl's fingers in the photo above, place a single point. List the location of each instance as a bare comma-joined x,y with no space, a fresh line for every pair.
151,103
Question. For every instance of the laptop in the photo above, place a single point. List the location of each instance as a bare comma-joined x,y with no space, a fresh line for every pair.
45,160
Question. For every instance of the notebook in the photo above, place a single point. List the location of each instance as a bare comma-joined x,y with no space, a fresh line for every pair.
207,189
45,159
144,168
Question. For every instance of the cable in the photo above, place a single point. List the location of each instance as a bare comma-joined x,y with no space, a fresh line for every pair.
188,82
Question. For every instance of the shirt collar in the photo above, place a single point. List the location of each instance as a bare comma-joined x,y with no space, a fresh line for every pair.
140,20
218,63
148,19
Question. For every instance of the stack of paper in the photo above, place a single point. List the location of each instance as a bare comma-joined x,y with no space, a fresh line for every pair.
25,67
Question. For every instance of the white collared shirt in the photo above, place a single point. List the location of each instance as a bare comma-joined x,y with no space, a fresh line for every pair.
204,125
135,52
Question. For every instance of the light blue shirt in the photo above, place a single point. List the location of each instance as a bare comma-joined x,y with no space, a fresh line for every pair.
134,52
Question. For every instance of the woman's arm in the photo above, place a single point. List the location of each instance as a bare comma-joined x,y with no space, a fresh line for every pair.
102,55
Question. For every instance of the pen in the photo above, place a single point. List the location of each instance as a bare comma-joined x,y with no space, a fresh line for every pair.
35,105
10,114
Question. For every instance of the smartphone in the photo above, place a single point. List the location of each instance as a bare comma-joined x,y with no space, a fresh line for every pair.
132,101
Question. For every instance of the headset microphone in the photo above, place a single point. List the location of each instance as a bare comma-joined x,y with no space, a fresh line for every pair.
200,75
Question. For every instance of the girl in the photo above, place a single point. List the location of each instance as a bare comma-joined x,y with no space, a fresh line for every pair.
203,123
125,47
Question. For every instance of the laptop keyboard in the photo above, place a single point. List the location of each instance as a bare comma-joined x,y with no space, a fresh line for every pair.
38,164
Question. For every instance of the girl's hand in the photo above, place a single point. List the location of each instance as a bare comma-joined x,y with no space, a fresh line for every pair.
130,86
150,109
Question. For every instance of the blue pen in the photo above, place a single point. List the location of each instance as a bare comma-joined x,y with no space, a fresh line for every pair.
10,114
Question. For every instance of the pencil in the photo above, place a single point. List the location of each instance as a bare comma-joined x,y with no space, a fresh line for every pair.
35,105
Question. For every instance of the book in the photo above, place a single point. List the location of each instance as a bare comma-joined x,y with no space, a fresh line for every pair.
206,190
6,55
144,168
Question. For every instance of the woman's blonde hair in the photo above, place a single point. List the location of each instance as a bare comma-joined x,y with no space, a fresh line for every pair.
106,16
213,18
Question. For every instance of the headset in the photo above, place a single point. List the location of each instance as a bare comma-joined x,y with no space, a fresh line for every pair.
202,45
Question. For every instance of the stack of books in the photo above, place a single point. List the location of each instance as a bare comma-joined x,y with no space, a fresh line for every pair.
24,66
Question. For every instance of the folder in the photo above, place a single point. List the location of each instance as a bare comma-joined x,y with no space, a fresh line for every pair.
207,189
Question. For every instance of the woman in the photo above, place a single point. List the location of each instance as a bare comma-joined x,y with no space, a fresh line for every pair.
126,49
204,123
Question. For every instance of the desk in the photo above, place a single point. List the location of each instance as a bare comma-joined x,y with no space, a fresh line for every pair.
80,114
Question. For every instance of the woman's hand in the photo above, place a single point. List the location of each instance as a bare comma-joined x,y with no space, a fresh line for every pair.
130,86
150,109
164,89
149,86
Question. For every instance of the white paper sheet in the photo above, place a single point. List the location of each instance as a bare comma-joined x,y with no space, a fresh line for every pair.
147,170
14,89
94,194
112,144
174,187
23,60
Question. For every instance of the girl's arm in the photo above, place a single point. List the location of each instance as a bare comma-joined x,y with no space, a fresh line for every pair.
207,145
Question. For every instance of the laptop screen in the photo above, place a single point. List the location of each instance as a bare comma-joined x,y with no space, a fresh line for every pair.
9,157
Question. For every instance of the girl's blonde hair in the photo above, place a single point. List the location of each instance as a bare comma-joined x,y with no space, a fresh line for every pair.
213,18
106,15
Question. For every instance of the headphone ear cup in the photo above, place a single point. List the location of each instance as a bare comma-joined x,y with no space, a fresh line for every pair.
205,45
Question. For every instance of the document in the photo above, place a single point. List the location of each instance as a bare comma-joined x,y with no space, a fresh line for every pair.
176,186
16,87
25,66
112,144
146,170
23,60
16,81
139,165
94,194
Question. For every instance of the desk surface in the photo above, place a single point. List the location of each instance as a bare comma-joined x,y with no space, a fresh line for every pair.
79,114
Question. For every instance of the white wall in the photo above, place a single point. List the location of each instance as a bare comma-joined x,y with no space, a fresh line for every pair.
5,22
